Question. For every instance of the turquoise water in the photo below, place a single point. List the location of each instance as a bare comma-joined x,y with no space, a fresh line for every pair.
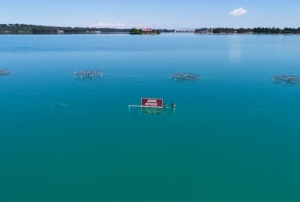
233,137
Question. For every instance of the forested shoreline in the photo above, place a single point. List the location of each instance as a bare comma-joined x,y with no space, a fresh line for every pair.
39,29
257,30
136,31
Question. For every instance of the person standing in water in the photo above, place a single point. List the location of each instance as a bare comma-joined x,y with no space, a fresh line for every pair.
173,107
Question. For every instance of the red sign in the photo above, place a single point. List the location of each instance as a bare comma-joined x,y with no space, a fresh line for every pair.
152,102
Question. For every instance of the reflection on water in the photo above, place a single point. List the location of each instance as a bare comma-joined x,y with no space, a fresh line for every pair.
151,111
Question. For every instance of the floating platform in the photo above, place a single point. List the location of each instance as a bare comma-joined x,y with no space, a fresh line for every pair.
88,74
287,79
185,77
5,72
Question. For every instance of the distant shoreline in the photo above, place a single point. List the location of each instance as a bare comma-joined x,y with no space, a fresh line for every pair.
127,33
256,30
39,29
24,29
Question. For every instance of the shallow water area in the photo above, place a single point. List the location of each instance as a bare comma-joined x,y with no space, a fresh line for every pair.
234,135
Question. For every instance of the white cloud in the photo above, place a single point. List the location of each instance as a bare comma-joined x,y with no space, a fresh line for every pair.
119,25
238,11
139,25
105,24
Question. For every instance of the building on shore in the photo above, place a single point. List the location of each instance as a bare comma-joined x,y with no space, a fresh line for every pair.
93,32
147,31
60,31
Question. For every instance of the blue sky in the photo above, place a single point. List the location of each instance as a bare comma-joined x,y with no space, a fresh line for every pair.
149,13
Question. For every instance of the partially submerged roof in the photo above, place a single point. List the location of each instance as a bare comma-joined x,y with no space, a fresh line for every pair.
88,74
185,76
5,72
287,79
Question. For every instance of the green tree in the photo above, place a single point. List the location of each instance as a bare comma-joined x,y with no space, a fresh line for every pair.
135,31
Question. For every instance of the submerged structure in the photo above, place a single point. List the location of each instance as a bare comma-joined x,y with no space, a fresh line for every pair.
88,74
286,79
5,72
185,77
153,106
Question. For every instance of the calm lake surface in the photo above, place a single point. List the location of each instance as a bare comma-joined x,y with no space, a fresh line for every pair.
235,135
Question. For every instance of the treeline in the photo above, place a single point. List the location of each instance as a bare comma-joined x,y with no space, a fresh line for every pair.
258,30
140,31
39,29
135,31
